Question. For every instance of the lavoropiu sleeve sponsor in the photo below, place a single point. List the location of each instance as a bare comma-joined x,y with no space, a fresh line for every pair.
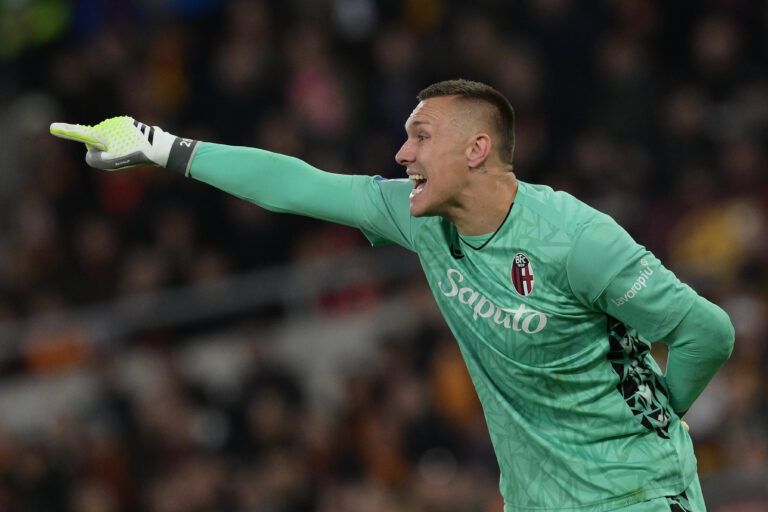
647,296
640,283
612,273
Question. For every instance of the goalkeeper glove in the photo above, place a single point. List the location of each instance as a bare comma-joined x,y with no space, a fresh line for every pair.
122,142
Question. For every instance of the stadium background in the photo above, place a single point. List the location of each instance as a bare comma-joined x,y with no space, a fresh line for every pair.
167,348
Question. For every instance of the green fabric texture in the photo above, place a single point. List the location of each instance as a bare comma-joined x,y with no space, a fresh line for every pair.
577,409
278,183
698,347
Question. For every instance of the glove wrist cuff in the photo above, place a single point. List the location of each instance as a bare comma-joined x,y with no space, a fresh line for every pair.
181,155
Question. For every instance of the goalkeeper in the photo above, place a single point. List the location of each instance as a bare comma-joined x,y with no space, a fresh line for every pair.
553,304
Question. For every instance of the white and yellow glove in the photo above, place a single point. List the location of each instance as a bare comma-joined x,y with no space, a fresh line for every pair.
122,142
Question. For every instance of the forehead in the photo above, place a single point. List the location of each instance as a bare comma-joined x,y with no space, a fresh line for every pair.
431,111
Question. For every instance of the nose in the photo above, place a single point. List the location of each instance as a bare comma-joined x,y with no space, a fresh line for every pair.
405,155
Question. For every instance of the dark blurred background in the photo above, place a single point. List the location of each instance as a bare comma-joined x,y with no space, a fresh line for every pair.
165,347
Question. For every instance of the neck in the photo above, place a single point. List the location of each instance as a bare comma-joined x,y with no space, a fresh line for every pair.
485,204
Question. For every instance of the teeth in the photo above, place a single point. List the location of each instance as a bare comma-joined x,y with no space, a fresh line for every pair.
418,184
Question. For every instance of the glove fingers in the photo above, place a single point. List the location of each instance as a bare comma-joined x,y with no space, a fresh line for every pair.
119,142
78,133
108,162
94,158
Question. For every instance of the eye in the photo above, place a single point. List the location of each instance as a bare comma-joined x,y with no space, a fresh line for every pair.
421,137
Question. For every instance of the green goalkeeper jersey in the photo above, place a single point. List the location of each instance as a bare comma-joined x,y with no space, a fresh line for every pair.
554,314
576,407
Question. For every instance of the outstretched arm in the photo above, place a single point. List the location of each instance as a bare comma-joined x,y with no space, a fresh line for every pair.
276,182
279,183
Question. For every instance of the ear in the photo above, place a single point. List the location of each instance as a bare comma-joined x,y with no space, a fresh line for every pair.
478,149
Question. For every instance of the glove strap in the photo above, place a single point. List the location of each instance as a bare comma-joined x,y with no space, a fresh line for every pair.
181,155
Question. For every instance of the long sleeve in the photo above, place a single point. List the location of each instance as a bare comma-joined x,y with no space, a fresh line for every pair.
279,183
698,347
377,206
612,273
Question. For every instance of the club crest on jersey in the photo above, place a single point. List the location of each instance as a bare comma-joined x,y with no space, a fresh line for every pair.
522,274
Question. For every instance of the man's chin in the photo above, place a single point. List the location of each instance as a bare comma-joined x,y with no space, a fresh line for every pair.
418,211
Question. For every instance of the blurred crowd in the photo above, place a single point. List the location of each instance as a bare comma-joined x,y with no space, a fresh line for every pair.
654,112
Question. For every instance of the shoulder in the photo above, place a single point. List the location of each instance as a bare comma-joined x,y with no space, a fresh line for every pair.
557,209
390,189
390,182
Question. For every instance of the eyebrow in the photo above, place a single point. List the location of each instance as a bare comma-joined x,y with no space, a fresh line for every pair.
416,124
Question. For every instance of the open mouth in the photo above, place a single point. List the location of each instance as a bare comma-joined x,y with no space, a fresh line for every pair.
419,182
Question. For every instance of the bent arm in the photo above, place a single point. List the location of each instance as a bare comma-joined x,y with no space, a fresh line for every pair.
698,347
279,183
612,273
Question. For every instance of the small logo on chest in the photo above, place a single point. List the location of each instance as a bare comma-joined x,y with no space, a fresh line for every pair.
522,274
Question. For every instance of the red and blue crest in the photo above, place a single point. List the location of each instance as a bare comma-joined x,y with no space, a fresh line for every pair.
522,274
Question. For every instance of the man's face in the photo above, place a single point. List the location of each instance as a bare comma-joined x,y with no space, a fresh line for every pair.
435,156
